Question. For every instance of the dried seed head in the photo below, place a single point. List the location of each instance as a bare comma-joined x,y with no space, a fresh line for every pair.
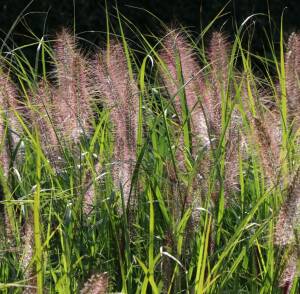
28,252
97,284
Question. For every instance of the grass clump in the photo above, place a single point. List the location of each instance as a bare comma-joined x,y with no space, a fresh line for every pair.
177,172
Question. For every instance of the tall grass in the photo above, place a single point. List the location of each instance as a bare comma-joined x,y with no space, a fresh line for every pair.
176,172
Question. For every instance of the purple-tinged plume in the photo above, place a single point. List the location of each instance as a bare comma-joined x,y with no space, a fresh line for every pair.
9,135
41,116
176,49
267,137
8,120
286,228
292,69
120,94
220,91
290,271
72,102
218,56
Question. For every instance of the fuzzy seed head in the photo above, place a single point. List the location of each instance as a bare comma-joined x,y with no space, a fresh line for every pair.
179,62
72,100
292,69
97,284
287,227
120,94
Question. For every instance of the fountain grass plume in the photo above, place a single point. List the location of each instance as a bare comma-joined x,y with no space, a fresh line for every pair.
267,137
292,69
221,107
10,135
72,102
288,219
218,57
97,284
41,116
180,69
4,159
286,228
263,135
291,270
28,252
9,123
182,78
90,193
205,97
10,131
119,94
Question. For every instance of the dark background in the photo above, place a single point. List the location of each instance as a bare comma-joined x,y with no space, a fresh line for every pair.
48,16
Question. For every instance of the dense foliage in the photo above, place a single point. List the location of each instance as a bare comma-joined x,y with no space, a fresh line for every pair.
170,167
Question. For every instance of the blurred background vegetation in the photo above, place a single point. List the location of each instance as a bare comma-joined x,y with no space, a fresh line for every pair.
47,16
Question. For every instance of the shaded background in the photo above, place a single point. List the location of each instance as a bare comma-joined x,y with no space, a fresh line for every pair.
50,15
